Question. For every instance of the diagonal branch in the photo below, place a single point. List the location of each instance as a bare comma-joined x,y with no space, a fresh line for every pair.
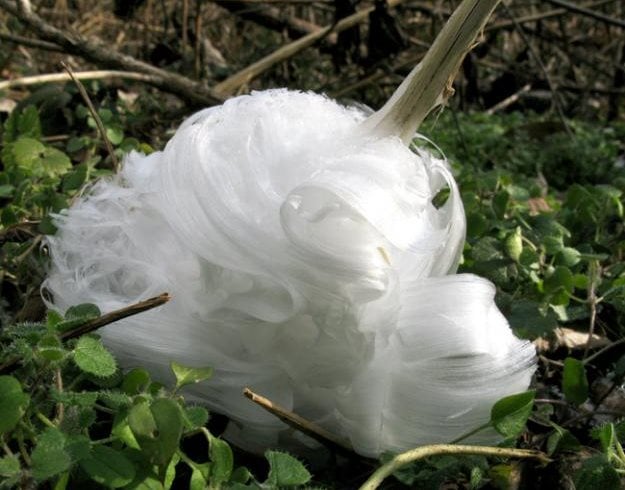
103,55
236,81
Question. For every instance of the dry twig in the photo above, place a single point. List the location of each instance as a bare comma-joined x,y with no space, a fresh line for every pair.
299,423
236,81
104,55
94,114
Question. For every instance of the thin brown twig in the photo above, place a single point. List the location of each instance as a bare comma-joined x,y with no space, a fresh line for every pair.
96,323
94,114
116,315
508,101
60,408
589,13
30,43
552,86
299,423
592,304
603,350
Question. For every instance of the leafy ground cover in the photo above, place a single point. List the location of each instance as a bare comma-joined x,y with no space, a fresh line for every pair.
544,205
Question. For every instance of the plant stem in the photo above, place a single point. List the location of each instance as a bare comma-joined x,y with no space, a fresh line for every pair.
429,83
470,433
438,449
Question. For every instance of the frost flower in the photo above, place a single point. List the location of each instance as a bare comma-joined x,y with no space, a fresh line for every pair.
307,261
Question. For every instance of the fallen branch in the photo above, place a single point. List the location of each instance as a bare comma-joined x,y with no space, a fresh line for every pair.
28,42
231,84
270,18
508,101
299,423
103,55
403,459
588,13
504,24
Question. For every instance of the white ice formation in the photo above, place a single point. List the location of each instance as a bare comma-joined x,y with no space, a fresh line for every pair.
306,260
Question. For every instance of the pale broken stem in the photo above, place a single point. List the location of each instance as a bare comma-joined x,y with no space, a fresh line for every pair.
403,459
64,77
429,83
94,114
299,423
231,84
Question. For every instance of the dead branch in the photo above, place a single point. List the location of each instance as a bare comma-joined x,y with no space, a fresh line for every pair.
236,81
271,18
30,43
588,13
102,55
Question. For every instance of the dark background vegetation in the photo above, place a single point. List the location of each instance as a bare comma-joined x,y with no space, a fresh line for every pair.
535,134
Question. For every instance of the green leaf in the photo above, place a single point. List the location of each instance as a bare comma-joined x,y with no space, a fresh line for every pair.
28,153
84,311
136,381
198,477
74,144
568,257
597,473
157,429
285,470
170,472
9,466
528,321
240,475
514,245
115,135
49,457
13,403
6,190
108,467
91,357
195,417
47,226
606,435
500,203
222,461
141,420
50,348
28,123
574,381
510,414
187,375
53,318
75,179
561,440
54,162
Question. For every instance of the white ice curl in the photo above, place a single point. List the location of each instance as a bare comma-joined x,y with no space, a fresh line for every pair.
307,261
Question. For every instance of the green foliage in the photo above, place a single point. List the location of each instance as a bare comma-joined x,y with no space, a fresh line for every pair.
187,375
509,415
574,381
545,223
56,432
